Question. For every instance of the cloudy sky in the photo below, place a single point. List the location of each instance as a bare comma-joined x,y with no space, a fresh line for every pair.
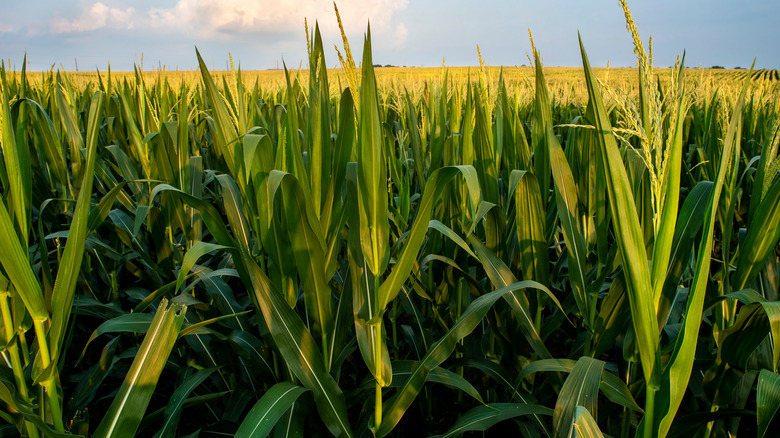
260,34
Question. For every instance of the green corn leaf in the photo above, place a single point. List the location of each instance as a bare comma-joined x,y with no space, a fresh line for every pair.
234,210
155,295
677,373
225,131
263,416
372,172
126,411
369,332
452,235
299,350
247,346
213,220
482,418
71,133
501,276
772,310
289,158
319,128
98,214
613,388
17,162
440,351
9,395
767,400
127,323
584,424
486,162
762,236
70,265
17,265
140,322
402,370
291,424
415,141
182,139
87,388
191,257
342,151
484,151
688,225
628,234
14,258
127,170
197,328
503,377
566,200
579,390
433,189
529,220
176,402
138,149
612,317
342,321
308,246
253,148
51,146
541,128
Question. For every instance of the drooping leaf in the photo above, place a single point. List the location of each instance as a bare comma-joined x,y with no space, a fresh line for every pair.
263,416
176,402
482,418
439,352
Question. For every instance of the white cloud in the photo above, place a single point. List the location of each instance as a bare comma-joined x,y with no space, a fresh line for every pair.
96,17
6,28
228,18
400,35
241,16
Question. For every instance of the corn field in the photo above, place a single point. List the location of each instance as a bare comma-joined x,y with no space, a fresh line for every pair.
334,255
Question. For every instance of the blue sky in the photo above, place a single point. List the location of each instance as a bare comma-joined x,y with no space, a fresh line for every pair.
262,33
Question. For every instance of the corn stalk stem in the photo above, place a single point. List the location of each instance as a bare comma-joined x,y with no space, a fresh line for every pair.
649,410
49,384
378,374
16,362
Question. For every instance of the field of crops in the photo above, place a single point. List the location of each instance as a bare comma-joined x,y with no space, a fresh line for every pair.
399,252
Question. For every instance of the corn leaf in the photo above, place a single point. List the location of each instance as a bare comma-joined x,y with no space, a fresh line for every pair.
308,246
299,350
126,411
628,234
433,189
176,402
191,257
482,418
529,220
584,424
579,390
501,276
372,172
678,371
263,416
566,200
440,351
762,236
767,400
70,265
